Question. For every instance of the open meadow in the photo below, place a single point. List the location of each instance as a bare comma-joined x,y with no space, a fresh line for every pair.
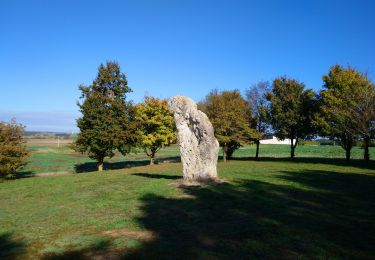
47,157
313,207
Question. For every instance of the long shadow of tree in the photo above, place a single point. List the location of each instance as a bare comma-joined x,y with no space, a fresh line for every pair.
322,215
91,166
157,176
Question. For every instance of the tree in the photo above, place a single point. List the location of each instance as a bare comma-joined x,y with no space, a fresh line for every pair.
257,99
292,109
157,127
364,118
229,114
13,151
108,121
347,107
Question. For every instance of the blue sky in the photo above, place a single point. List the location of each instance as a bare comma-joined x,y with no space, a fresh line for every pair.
169,47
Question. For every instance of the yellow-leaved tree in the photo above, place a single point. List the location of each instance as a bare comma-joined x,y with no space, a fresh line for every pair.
13,150
157,128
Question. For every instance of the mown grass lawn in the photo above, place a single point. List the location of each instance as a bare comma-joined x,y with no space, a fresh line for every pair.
50,158
268,209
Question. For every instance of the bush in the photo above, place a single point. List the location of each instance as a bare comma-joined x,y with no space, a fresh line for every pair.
326,142
362,144
308,142
13,152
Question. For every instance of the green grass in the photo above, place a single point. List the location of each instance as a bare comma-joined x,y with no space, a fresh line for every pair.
52,159
268,209
272,150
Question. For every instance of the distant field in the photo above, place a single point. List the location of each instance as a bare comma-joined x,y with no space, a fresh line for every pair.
47,157
47,141
319,151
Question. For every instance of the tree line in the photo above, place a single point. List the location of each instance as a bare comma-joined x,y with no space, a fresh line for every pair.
344,111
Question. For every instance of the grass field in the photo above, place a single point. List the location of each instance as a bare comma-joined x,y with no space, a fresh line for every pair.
273,208
47,157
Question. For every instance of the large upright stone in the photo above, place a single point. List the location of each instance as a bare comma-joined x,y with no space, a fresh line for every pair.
198,145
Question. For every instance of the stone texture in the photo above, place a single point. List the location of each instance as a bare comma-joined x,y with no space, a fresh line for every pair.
198,145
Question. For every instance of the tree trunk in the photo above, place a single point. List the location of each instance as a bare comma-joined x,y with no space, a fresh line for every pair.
292,147
347,154
151,154
366,155
152,159
257,149
224,153
100,165
346,141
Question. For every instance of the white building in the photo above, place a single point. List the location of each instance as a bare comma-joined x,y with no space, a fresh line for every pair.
274,140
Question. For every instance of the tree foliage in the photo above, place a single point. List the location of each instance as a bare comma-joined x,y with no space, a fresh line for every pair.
259,106
230,116
13,151
157,127
364,118
107,121
292,109
347,107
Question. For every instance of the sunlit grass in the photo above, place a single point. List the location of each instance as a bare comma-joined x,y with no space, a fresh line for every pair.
62,159
267,209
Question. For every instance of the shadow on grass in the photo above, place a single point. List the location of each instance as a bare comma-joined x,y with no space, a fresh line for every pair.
11,248
24,174
331,161
315,215
312,215
91,166
158,176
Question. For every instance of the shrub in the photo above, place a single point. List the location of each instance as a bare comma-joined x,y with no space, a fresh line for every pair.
308,142
326,142
13,152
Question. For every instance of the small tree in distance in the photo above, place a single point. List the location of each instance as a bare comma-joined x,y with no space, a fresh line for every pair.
157,127
107,121
13,151
292,110
257,98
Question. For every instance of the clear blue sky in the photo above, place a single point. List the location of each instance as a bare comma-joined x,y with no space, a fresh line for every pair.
168,47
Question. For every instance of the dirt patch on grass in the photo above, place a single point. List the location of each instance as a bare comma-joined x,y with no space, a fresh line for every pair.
58,160
47,174
133,234
181,183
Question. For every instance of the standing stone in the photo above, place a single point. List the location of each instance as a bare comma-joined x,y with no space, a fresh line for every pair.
198,145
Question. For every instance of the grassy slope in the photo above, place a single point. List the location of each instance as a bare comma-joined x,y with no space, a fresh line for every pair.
268,209
53,159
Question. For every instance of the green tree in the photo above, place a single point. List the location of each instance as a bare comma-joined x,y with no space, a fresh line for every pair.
257,98
13,151
364,118
107,121
157,127
230,116
347,108
292,110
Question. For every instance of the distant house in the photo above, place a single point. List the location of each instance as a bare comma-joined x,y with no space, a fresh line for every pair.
270,139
